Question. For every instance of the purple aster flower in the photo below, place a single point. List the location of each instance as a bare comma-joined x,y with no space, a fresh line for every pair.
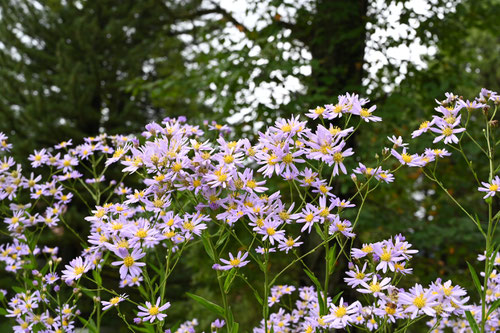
153,312
419,301
129,263
238,261
113,302
491,188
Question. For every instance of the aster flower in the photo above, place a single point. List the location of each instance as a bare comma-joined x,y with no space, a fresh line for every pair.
419,301
153,312
357,276
316,113
238,261
38,158
270,231
129,263
113,302
74,271
290,243
447,132
388,256
338,158
407,159
342,315
375,287
491,188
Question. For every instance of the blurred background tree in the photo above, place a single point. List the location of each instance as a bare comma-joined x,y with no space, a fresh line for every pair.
79,68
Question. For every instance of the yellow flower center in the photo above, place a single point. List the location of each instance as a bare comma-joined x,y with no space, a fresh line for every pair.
419,301
270,231
288,158
423,125
386,256
128,261
375,287
406,158
251,183
286,128
235,262
176,167
493,187
341,311
228,159
447,131
153,311
79,270
337,157
319,110
114,300
365,113
188,226
141,233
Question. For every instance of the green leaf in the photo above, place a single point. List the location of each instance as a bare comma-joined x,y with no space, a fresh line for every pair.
321,303
331,259
472,322
208,246
493,307
221,240
257,296
477,284
97,277
90,324
229,279
18,289
314,279
217,309
336,298
3,312
236,327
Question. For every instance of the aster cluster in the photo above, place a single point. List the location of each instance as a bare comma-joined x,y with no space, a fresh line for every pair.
376,270
492,310
184,185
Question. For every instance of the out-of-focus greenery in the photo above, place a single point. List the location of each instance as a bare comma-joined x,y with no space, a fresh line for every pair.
70,69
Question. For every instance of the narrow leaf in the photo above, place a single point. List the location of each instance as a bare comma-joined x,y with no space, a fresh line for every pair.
472,322
229,280
475,278
217,309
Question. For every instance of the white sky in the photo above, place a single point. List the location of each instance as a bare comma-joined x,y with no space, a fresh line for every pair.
375,59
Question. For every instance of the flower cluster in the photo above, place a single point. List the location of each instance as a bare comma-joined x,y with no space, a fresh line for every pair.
388,262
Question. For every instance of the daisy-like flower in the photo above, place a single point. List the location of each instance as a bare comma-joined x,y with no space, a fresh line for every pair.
153,312
113,302
340,316
356,276
407,159
491,189
271,232
424,127
129,263
38,158
366,114
419,301
316,113
397,141
375,287
238,261
290,243
388,256
338,158
76,268
447,131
